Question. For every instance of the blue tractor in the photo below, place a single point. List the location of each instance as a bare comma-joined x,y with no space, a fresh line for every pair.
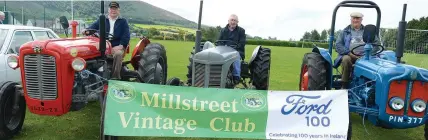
383,90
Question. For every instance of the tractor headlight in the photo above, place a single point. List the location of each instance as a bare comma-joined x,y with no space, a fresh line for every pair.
12,61
78,64
418,105
396,103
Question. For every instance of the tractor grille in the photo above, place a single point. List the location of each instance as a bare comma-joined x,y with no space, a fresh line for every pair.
214,75
40,76
199,74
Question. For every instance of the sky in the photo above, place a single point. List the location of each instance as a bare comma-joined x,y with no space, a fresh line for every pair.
289,19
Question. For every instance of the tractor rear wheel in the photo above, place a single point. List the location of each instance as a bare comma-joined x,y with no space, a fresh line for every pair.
313,72
11,120
260,69
102,135
153,64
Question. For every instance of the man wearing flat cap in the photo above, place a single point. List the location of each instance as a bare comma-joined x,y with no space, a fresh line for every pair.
119,28
351,37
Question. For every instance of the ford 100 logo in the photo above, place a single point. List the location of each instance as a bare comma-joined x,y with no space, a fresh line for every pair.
298,105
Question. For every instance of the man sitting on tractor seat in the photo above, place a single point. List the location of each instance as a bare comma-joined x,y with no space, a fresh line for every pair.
236,34
351,37
119,28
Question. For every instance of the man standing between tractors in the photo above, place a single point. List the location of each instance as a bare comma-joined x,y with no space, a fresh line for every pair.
235,33
351,37
119,28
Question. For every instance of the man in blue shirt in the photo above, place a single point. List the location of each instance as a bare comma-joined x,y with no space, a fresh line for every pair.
119,28
235,33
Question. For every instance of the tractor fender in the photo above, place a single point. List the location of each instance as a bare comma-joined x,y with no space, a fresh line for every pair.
135,57
327,57
255,52
324,53
208,45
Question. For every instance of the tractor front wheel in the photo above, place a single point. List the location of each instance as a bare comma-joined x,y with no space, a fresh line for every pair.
11,119
260,68
313,72
153,64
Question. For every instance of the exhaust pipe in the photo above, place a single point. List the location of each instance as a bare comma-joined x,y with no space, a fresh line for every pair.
102,31
198,32
401,35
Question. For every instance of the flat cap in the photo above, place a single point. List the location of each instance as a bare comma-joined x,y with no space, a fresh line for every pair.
357,14
114,4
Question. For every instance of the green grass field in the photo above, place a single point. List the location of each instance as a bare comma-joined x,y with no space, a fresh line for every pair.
285,67
146,26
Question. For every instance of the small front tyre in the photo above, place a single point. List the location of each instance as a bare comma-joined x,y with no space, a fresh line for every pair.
11,119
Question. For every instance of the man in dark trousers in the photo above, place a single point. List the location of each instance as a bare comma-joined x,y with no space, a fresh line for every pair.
235,33
351,37
119,28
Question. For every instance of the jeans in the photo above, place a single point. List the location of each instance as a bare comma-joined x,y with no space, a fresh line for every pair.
237,68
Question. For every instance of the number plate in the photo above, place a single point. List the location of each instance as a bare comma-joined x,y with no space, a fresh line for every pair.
400,119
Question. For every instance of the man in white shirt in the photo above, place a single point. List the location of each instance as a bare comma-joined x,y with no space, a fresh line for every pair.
118,28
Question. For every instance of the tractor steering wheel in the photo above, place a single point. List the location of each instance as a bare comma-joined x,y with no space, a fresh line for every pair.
233,46
93,32
382,48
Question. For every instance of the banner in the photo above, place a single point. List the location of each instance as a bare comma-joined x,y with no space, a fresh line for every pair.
138,109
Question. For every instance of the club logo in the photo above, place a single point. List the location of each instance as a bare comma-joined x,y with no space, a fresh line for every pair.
121,92
37,48
253,100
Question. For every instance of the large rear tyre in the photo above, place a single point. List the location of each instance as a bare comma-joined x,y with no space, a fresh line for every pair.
260,69
313,72
11,119
102,135
153,64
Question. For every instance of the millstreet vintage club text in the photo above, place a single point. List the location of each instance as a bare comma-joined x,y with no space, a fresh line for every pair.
176,103
179,125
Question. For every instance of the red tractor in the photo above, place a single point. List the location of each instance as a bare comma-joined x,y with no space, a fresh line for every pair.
63,75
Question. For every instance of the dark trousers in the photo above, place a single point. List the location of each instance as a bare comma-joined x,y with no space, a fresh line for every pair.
347,62
117,64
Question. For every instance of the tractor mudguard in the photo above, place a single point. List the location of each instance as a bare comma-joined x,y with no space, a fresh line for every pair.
255,52
324,53
327,57
388,55
138,50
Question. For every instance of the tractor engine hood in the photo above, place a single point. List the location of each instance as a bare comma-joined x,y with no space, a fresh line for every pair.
385,68
87,47
216,55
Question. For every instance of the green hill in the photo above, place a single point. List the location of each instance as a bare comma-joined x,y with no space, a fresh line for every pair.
137,12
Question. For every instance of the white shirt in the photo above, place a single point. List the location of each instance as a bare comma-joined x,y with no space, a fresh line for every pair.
112,21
